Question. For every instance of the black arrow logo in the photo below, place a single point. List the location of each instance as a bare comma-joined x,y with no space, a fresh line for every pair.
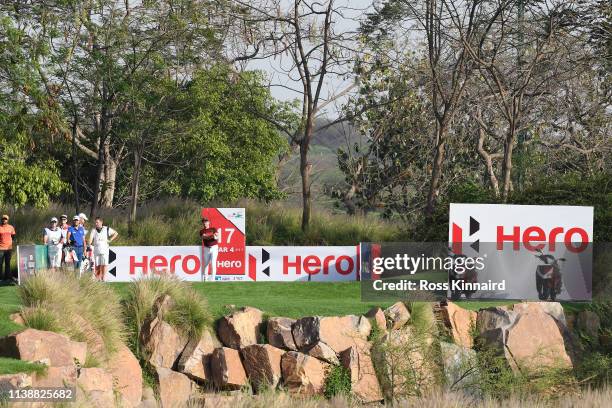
111,258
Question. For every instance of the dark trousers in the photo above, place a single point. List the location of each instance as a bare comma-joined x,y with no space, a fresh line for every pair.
5,261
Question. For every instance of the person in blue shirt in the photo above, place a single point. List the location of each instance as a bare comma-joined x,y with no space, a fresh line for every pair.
76,238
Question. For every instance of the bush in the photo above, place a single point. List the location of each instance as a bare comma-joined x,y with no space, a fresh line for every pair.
189,313
79,307
337,382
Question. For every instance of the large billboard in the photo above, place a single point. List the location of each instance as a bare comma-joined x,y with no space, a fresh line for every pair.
230,224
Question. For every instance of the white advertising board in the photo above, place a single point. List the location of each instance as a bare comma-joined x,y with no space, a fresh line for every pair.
269,263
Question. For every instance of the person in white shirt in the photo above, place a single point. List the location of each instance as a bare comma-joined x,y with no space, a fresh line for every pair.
101,237
53,238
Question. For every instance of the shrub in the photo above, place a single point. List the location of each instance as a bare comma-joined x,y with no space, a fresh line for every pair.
337,382
189,313
79,307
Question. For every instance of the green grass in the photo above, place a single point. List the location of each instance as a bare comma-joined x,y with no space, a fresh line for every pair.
12,365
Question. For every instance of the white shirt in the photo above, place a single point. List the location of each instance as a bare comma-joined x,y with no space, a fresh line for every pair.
53,238
100,240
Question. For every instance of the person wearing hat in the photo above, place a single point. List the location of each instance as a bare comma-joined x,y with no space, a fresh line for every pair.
53,238
83,219
210,239
76,239
101,237
7,233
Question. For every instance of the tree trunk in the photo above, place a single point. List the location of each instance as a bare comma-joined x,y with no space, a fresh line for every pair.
97,184
135,188
436,174
110,176
305,168
486,156
507,164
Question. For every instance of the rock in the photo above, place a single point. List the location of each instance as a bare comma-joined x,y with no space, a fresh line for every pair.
148,404
161,343
95,385
397,314
323,352
17,318
339,333
460,322
50,348
588,322
195,359
241,328
174,388
303,374
494,318
377,318
279,333
127,376
262,363
227,369
364,383
536,341
18,380
65,376
460,369
553,309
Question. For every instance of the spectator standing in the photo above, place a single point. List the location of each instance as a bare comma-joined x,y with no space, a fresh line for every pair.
76,239
63,226
101,237
83,220
53,238
210,240
7,233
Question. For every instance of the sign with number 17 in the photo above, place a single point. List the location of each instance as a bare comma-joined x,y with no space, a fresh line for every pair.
230,225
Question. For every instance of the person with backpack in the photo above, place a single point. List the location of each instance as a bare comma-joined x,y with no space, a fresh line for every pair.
101,237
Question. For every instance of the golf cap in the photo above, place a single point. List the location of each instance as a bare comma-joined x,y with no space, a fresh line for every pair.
5,217
64,217
53,219
83,216
75,218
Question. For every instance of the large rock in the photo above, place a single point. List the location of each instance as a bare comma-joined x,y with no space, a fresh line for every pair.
588,322
495,318
50,348
536,341
262,363
54,377
279,333
95,385
460,368
174,388
377,318
397,314
339,333
364,383
241,328
323,352
460,322
161,343
553,309
303,374
227,369
127,376
195,359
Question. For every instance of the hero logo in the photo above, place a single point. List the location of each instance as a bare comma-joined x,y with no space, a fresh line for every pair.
533,237
189,264
298,264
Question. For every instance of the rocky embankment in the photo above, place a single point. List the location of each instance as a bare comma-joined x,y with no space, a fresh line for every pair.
249,351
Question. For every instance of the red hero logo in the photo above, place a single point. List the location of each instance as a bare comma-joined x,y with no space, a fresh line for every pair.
533,234
312,264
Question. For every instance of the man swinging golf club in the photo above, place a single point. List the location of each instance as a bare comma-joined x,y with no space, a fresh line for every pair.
210,240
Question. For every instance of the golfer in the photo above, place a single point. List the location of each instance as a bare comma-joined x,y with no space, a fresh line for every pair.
210,237
76,238
7,233
101,237
53,238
